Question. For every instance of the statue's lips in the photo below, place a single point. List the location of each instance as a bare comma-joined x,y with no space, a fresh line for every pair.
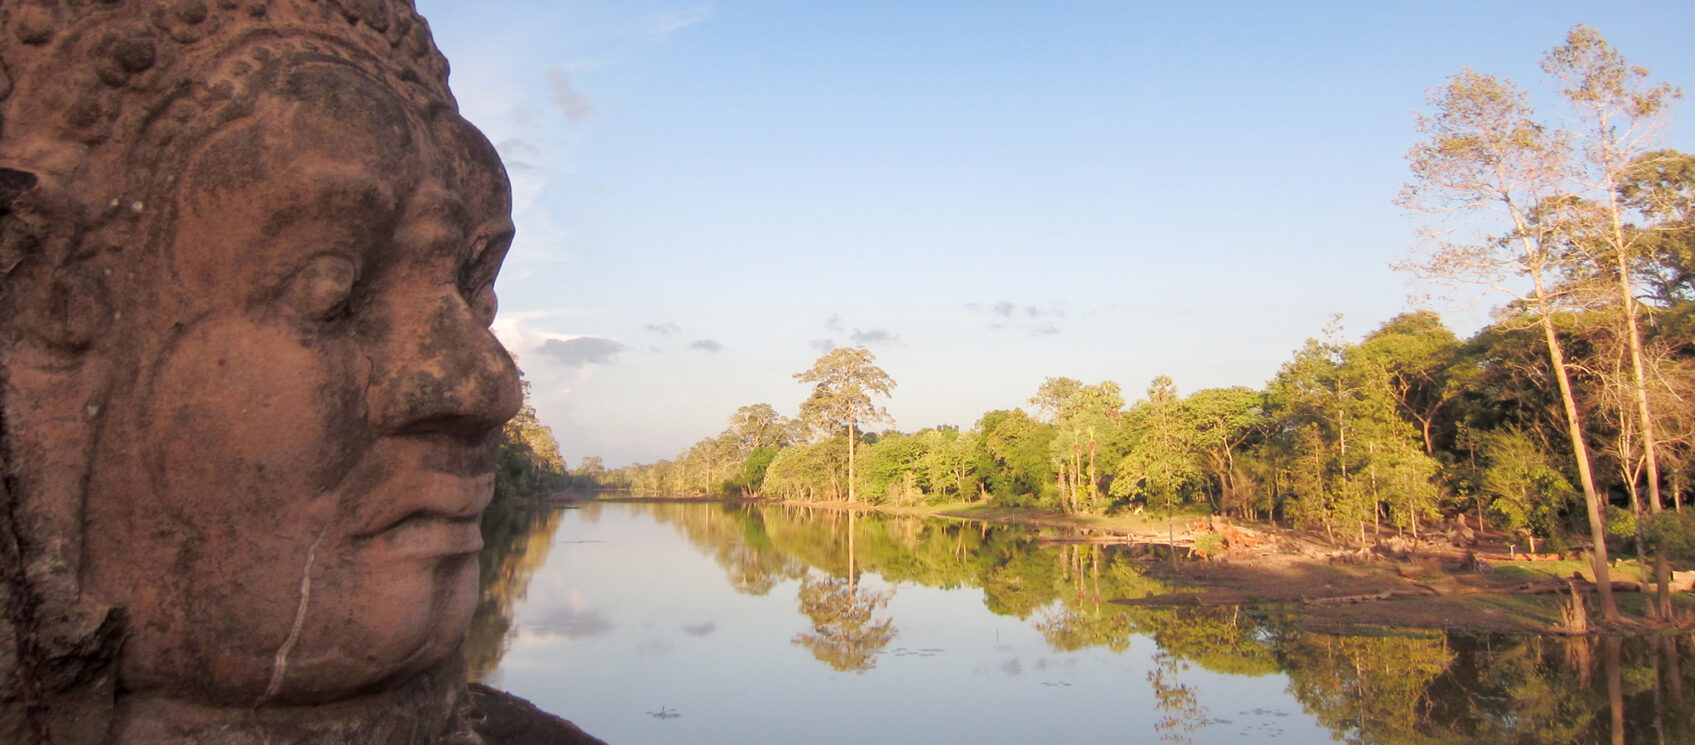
434,515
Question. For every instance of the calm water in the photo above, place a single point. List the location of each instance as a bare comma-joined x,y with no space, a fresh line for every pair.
698,624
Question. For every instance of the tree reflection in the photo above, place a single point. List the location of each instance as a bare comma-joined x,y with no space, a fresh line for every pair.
737,540
1180,709
1369,689
516,542
844,634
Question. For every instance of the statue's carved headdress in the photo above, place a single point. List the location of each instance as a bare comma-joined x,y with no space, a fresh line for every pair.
99,98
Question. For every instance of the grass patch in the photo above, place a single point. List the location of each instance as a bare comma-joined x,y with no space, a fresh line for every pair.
1535,571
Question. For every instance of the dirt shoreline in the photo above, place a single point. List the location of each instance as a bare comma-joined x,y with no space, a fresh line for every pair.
1323,587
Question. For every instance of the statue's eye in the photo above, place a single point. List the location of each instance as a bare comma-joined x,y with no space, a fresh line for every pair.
322,287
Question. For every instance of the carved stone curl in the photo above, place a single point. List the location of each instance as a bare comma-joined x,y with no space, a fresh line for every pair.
250,399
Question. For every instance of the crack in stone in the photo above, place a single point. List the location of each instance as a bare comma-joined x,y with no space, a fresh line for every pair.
279,666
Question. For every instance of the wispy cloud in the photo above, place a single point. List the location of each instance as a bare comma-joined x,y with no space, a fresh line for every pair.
824,346
583,350
675,21
834,325
570,623
1036,320
872,336
663,329
572,102
516,153
706,345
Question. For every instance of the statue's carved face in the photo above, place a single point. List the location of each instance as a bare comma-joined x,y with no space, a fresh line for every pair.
286,495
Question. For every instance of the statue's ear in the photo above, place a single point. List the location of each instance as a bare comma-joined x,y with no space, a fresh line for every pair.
55,296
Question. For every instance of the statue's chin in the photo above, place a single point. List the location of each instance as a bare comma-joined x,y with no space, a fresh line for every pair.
401,624
422,709
371,633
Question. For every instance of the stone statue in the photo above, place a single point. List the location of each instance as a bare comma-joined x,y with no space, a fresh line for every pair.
251,400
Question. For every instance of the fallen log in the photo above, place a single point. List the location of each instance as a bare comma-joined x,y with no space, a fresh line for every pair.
1366,598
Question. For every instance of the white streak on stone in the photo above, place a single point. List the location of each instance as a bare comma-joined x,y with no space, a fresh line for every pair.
279,666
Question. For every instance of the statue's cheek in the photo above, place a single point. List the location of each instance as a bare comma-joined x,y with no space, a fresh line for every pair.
255,427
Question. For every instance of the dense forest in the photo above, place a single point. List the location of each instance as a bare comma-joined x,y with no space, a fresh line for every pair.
528,464
1567,419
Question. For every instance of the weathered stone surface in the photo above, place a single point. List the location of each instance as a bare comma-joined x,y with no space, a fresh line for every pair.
250,399
503,719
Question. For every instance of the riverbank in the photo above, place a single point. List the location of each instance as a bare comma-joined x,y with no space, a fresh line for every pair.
1445,581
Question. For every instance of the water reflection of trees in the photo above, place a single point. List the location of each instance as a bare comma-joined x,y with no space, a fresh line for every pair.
1180,710
1389,689
844,634
516,543
736,540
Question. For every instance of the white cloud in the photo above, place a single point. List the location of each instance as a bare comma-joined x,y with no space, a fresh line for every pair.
873,336
583,350
675,21
570,101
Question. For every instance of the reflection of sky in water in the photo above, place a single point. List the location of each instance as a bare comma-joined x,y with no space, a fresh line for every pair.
567,622
639,621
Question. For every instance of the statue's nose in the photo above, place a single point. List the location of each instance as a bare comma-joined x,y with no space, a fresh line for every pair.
444,372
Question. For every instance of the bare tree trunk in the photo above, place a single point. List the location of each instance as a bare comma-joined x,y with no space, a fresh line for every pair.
1076,473
851,438
1580,452
1638,377
1092,476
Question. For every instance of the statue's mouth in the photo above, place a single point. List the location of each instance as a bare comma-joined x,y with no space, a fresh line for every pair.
426,534
432,515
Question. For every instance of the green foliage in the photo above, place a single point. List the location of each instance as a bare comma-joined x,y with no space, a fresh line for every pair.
812,472
1160,466
1672,533
1621,523
754,468
1013,458
528,463
1527,494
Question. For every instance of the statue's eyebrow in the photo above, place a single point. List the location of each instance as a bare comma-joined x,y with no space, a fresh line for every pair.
331,195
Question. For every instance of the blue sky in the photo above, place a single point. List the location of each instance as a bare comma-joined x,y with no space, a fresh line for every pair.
983,193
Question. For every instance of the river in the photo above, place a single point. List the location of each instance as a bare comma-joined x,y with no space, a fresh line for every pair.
706,623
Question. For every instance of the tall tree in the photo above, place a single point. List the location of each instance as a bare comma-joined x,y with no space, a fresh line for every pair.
1487,163
1161,461
1225,419
1620,114
1085,415
1051,398
757,425
843,382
